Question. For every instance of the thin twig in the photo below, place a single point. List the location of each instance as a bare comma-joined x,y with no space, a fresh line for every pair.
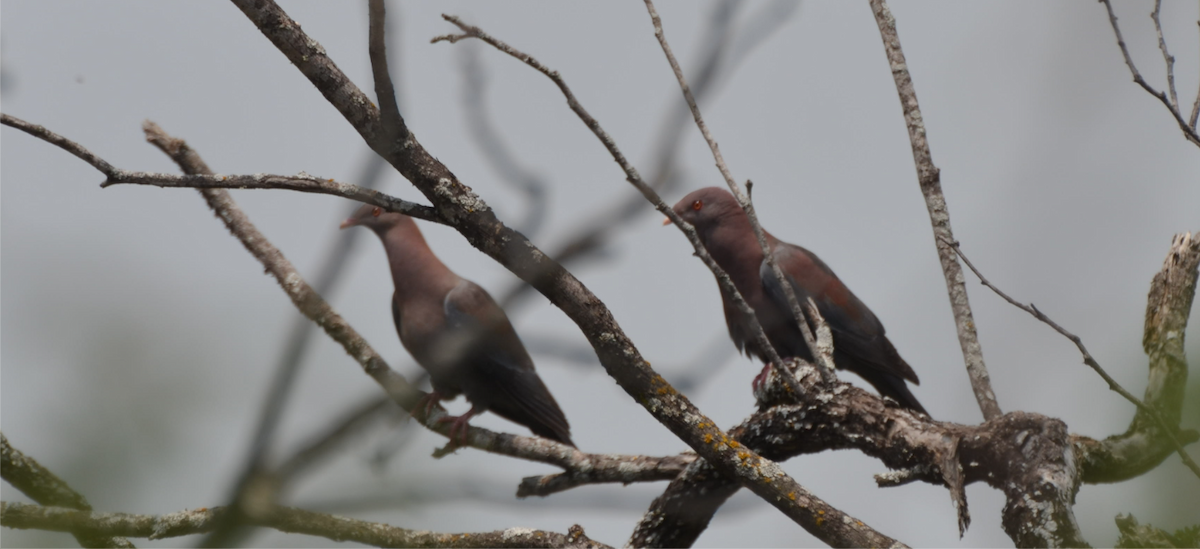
764,477
61,142
822,352
1189,130
1167,57
301,182
929,179
283,519
502,159
43,486
1166,430
1195,105
743,199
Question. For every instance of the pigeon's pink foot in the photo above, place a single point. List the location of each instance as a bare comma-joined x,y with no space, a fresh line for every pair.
458,427
425,406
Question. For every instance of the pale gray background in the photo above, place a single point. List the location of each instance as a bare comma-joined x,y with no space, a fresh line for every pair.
138,337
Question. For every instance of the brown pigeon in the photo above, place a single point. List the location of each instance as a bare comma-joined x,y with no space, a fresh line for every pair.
458,334
859,341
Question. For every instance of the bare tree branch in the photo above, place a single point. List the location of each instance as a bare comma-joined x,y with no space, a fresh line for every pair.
32,479
607,469
301,182
283,519
1195,105
1165,430
762,476
1189,130
1167,57
929,179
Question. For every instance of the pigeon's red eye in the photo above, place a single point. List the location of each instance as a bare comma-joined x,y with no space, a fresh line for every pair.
376,211
697,205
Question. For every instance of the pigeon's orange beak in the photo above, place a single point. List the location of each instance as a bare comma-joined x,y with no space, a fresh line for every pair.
666,221
351,222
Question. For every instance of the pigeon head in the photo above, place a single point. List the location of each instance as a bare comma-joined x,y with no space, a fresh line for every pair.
708,208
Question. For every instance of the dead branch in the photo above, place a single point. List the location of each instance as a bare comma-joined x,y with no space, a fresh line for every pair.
283,519
32,479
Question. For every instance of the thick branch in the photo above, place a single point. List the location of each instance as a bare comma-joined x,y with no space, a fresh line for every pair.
1027,456
284,519
939,215
41,485
1147,442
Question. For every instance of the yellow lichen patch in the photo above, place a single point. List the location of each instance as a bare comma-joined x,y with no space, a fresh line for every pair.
792,496
734,444
743,455
662,387
708,439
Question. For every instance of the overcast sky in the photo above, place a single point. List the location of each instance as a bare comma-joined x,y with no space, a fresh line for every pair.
138,338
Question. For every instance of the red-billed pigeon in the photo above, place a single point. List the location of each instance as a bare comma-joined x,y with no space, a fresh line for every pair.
458,334
858,337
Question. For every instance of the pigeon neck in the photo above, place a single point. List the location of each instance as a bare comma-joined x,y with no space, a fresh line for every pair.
415,270
736,249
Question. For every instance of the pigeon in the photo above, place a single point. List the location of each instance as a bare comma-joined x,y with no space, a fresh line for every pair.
860,343
457,333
